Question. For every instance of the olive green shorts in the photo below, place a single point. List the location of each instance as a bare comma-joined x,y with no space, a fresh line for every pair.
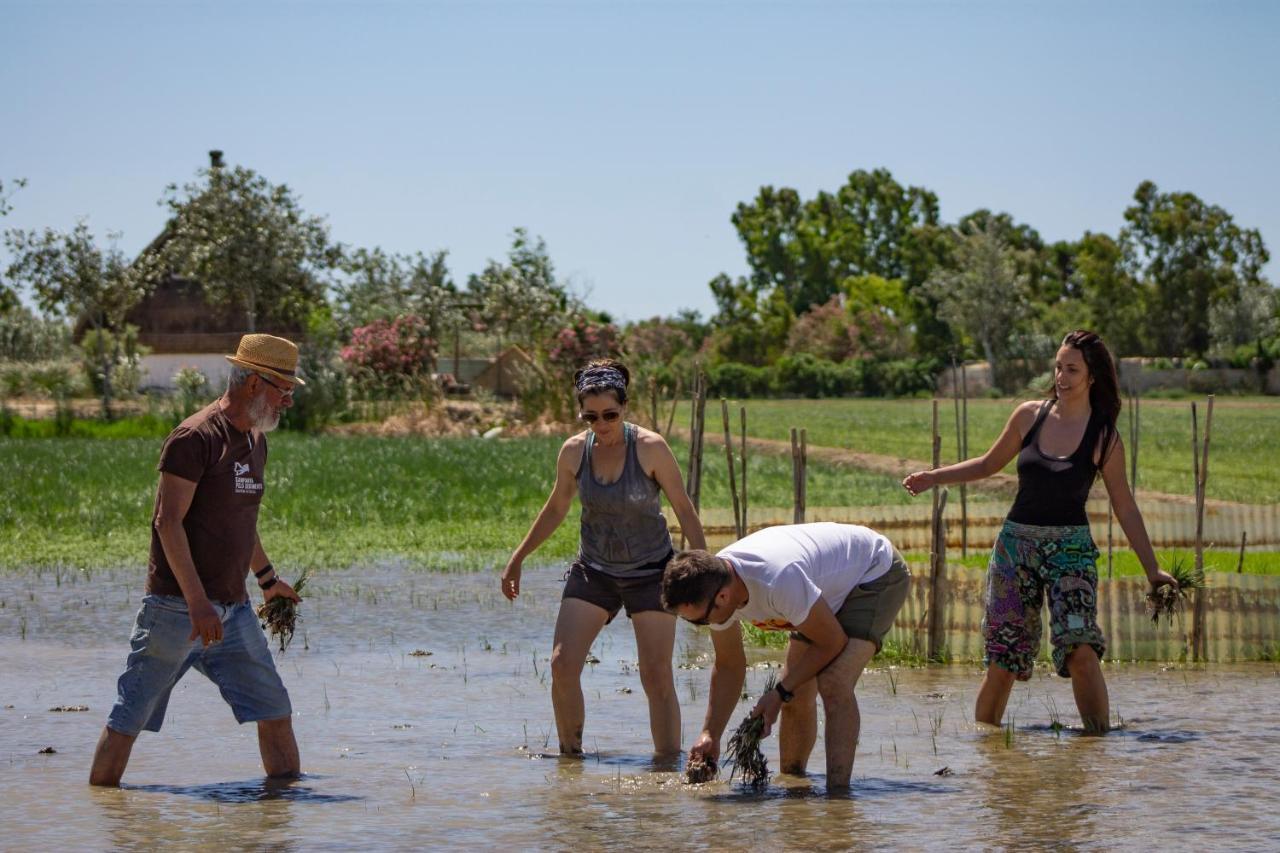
868,612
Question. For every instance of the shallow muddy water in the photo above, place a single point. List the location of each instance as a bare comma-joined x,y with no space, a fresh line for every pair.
455,748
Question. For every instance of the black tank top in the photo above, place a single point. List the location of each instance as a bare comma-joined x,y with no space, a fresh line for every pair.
1052,491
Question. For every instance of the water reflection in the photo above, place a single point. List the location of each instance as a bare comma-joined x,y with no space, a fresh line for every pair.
455,748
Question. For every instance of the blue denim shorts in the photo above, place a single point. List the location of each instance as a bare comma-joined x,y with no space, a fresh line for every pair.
240,664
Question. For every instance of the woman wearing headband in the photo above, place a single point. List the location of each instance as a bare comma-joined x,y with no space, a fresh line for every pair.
617,469
1045,547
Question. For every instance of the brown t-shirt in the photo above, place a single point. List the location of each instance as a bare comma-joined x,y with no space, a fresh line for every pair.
227,467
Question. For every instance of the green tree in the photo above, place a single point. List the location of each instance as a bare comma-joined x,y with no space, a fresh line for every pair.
522,300
805,250
72,276
8,294
249,244
1193,256
382,286
1116,302
986,295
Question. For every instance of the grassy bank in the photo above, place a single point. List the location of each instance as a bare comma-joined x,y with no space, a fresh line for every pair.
345,500
1244,446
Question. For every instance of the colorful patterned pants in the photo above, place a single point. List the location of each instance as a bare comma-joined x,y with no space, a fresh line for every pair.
1027,562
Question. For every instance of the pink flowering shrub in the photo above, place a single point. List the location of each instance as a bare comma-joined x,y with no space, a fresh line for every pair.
581,341
390,354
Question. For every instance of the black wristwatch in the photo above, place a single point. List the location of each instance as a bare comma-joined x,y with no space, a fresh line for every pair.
786,694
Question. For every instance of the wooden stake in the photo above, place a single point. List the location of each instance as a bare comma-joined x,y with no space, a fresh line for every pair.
733,480
938,582
964,454
743,459
653,403
804,472
796,515
1200,644
1244,536
675,404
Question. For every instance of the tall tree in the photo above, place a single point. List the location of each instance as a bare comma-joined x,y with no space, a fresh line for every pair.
8,294
249,244
378,285
522,300
986,295
805,250
1116,303
72,276
1193,256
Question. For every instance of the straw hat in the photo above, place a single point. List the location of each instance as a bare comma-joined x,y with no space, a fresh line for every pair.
268,354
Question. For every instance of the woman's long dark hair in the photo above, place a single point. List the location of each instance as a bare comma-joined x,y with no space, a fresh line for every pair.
1104,392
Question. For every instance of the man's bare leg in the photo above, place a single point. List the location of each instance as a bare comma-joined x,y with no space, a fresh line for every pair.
798,724
110,758
836,684
279,748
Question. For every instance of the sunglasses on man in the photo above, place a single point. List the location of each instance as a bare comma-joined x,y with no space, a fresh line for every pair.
608,417
705,619
285,391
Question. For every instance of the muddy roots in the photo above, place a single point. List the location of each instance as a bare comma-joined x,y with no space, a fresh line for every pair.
279,615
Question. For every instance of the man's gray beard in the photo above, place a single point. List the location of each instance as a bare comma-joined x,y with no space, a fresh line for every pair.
261,417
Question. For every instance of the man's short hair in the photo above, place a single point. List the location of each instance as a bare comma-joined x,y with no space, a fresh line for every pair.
692,577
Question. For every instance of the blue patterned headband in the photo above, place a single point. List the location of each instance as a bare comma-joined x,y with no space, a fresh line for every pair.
602,377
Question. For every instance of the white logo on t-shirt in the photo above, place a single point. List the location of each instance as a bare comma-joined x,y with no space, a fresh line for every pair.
240,468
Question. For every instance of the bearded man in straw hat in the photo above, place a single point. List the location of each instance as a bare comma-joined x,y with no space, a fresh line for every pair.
204,542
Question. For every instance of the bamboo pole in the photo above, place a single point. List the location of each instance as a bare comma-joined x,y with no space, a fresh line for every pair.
733,480
743,459
804,472
938,585
935,603
675,404
796,515
697,423
964,454
653,403
1197,620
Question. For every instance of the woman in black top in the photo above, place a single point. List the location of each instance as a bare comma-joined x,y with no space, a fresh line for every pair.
1045,545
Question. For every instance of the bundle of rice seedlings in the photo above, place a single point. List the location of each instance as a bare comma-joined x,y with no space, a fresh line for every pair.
279,615
744,748
1165,600
700,770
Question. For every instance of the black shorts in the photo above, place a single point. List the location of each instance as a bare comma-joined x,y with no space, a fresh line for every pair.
638,592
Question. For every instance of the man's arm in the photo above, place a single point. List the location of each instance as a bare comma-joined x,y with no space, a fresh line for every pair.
727,676
827,642
173,499
258,563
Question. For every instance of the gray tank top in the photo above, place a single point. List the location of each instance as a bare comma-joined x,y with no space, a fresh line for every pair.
622,523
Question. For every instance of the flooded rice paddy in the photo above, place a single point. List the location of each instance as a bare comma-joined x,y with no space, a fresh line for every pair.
423,713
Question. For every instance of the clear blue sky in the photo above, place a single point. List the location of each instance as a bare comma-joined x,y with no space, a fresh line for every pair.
625,134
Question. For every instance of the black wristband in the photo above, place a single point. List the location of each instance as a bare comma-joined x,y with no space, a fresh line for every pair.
266,586
262,571
786,694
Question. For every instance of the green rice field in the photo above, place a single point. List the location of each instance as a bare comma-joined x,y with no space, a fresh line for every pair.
1244,456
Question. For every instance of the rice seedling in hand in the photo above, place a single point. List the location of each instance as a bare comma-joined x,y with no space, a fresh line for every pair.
279,615
744,748
1166,600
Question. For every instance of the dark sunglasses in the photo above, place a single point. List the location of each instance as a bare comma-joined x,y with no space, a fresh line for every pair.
705,619
284,392
608,417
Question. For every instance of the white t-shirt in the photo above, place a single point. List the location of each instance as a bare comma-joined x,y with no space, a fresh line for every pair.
786,568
